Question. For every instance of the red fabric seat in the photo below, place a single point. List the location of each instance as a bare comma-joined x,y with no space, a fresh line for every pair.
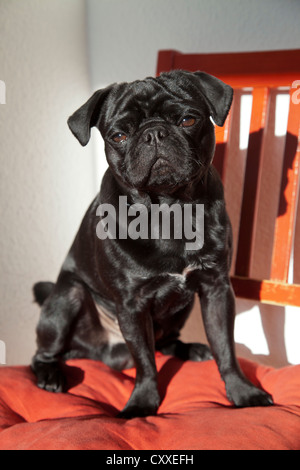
194,414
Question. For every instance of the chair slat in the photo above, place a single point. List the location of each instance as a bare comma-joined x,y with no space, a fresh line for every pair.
269,182
253,165
270,292
234,169
286,219
238,69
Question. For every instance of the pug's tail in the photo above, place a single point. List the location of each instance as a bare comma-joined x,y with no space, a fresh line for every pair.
42,290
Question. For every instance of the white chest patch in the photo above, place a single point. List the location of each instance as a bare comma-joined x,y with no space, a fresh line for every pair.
183,276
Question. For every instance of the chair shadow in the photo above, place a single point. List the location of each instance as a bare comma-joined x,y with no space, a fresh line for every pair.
75,376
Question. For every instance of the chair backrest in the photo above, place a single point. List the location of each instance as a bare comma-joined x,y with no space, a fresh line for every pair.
258,158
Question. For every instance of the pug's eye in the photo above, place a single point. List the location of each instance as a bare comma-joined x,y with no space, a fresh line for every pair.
119,137
188,121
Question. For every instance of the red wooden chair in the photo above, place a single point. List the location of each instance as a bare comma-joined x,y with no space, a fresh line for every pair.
260,170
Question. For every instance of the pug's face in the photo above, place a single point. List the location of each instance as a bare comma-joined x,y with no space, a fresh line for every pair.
158,133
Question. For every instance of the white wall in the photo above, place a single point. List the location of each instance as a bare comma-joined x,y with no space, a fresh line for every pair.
47,179
124,37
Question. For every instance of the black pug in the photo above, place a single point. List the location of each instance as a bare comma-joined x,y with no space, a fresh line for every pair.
119,299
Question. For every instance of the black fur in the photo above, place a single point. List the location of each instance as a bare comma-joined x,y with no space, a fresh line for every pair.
118,300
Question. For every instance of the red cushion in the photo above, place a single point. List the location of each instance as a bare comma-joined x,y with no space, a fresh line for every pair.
194,414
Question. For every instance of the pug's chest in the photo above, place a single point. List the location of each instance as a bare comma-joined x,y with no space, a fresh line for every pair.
187,279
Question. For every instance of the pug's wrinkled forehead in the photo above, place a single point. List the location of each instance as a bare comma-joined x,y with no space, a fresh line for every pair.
144,98
142,101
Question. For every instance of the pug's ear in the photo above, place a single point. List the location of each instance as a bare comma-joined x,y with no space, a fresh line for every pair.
87,116
217,94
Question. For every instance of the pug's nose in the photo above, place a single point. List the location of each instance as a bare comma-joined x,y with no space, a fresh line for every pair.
155,135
